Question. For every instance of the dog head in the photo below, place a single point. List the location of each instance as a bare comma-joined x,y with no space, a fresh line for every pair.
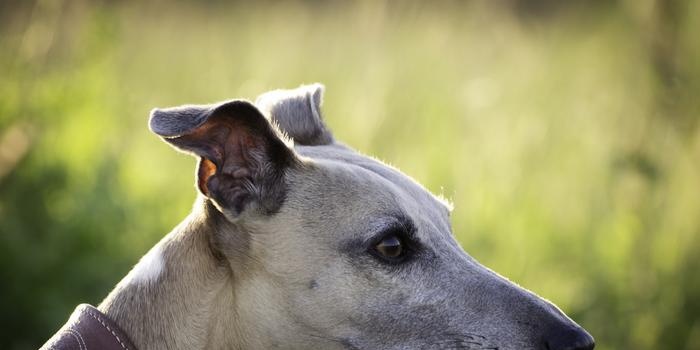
329,248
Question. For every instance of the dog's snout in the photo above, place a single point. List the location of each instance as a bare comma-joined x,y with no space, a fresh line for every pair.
572,338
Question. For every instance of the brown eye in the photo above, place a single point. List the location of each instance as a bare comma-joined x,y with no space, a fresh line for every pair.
390,247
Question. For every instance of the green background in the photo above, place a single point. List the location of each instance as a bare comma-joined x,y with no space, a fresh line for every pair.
565,132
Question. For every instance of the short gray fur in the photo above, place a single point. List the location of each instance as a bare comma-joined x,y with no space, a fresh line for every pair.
303,277
298,113
176,121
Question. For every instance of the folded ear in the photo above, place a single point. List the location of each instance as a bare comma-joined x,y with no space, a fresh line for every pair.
298,113
243,157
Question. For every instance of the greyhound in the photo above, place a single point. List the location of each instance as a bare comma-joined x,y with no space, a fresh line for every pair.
296,241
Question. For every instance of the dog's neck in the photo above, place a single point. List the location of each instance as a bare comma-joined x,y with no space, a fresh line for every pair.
176,296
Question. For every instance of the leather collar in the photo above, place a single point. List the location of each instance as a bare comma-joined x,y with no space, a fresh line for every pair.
89,329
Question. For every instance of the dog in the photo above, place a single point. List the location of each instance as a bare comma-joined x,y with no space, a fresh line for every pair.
297,241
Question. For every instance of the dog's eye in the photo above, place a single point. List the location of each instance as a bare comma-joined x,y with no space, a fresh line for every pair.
390,247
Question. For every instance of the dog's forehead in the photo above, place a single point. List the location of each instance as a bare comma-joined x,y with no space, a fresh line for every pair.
417,202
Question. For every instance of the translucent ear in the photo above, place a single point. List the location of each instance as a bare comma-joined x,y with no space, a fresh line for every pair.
298,113
242,156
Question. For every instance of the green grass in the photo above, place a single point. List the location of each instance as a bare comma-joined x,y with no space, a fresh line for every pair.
572,157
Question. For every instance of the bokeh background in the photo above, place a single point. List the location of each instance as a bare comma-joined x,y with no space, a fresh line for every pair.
565,132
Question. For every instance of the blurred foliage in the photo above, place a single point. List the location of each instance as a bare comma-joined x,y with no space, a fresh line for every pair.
565,133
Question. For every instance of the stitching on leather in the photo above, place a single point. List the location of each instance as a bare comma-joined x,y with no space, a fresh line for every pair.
107,327
79,337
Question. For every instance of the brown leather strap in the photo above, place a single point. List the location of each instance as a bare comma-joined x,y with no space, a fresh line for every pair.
89,329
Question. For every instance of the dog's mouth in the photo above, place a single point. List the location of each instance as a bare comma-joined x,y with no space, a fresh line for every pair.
464,341
451,341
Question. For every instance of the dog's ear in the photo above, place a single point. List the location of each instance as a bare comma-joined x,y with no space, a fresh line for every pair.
242,156
298,113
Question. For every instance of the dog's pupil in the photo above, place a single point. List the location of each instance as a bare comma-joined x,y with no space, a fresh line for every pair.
390,247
